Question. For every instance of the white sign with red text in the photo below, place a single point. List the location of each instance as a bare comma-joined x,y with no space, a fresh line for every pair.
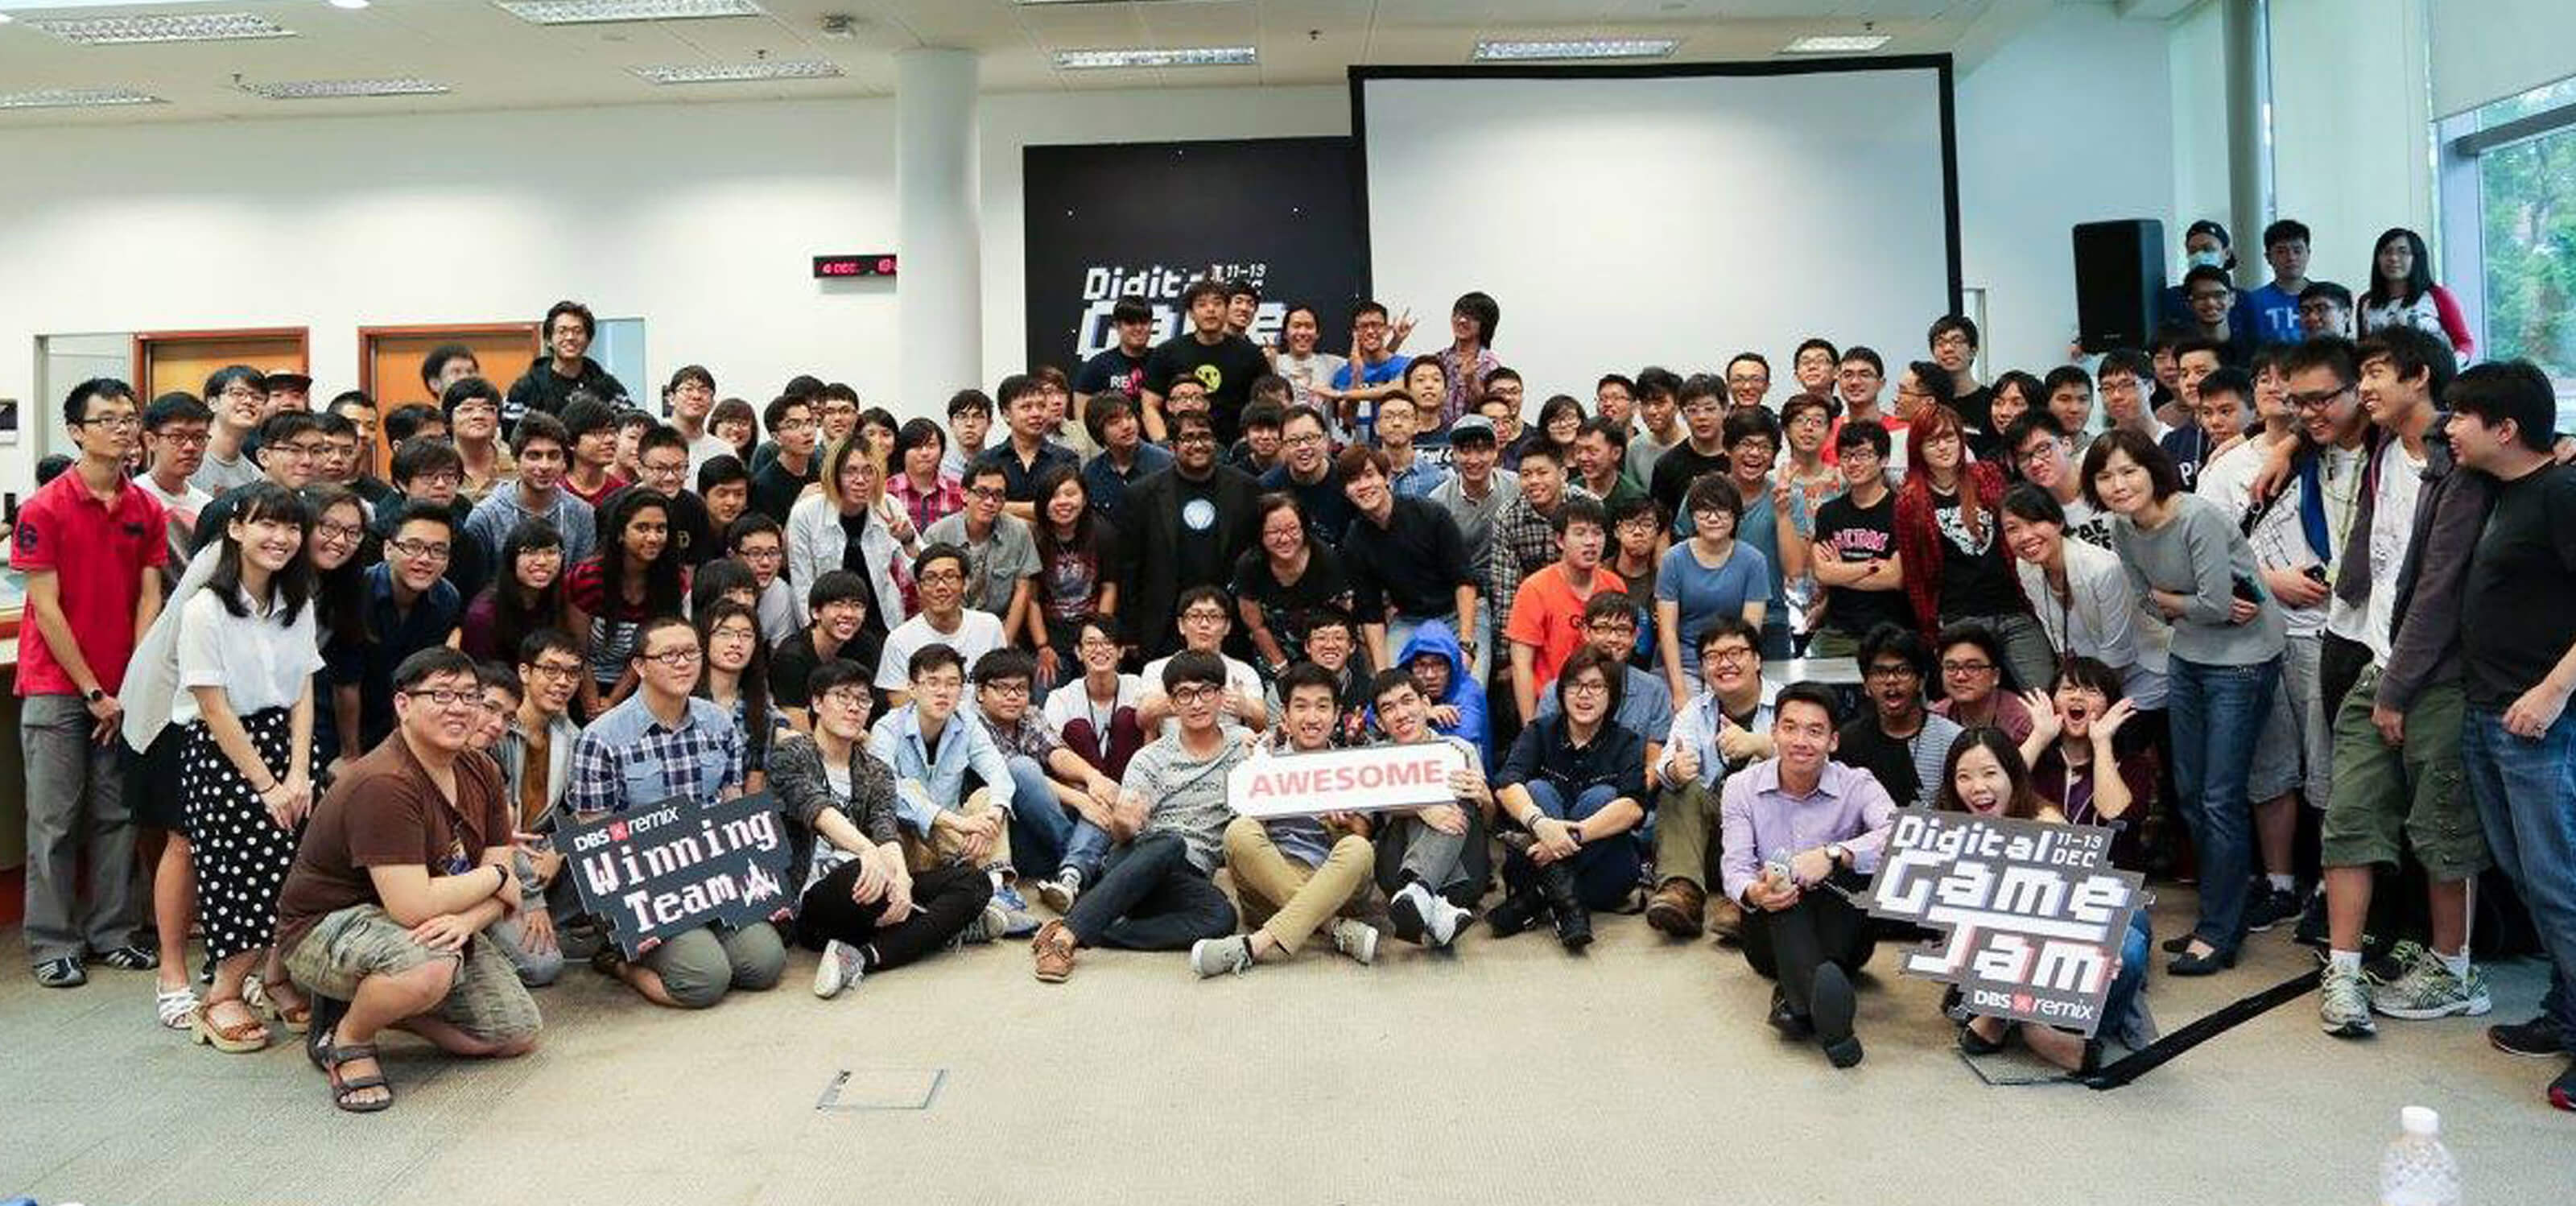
1365,779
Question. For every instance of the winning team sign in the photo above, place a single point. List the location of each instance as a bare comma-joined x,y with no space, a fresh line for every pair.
1367,779
2033,913
678,865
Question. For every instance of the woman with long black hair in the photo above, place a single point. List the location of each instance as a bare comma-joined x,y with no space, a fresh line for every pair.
2402,293
526,596
734,675
1077,569
248,645
635,576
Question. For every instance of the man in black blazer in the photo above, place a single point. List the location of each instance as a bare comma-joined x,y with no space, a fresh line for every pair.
1184,527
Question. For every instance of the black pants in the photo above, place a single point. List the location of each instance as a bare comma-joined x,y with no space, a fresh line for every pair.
1150,898
1791,944
950,897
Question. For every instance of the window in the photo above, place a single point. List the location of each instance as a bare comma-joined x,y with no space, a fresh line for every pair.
2509,191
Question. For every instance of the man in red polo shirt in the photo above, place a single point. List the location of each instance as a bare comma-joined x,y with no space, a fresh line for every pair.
1547,615
86,610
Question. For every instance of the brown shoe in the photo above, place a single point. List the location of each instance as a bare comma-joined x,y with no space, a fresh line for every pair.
1726,920
1053,947
1675,908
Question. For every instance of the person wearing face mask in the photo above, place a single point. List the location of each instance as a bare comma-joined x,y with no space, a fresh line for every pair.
2205,244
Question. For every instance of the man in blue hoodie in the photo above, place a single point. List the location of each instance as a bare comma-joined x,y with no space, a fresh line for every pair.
1439,672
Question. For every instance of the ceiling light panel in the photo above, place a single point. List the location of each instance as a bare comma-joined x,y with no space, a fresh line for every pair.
1491,51
1192,56
732,73
161,27
1836,44
596,12
323,89
75,98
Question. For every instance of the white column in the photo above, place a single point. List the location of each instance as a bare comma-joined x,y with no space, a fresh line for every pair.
939,290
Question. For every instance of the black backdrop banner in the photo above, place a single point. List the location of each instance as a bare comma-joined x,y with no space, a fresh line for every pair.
1146,219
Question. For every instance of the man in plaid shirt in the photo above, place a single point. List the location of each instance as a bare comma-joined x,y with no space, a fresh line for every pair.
664,742
1047,778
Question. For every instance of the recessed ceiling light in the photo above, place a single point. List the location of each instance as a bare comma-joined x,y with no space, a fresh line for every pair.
75,98
593,12
161,27
1575,48
1836,44
729,73
319,89
1190,56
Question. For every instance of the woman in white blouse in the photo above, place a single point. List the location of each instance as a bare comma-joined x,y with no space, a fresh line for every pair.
2082,596
851,523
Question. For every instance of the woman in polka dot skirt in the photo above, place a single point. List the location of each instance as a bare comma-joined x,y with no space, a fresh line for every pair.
248,646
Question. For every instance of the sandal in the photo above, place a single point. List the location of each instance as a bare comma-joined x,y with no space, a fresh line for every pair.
343,1087
260,995
174,1005
239,1038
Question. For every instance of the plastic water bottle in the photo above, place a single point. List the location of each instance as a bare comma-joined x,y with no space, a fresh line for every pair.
2417,1170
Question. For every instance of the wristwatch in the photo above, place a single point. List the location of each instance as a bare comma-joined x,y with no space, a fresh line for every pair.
1836,852
95,695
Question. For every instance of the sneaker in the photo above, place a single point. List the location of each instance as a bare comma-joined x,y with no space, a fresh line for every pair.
1355,938
842,967
1446,922
988,925
2313,929
131,958
1053,949
1408,912
61,973
2272,908
1232,953
1008,896
1016,924
1059,893
2343,1003
2535,1039
2428,989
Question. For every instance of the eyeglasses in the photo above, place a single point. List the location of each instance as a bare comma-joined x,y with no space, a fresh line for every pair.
184,439
1197,693
241,393
1963,669
338,532
666,469
846,698
2037,452
2318,399
759,554
1606,627
733,632
306,450
1731,653
1204,615
946,575
675,659
555,671
449,698
1008,690
986,493
1586,686
1892,672
419,550
1193,437
541,554
1308,440
118,423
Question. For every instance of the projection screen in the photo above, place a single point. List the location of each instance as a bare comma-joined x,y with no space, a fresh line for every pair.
1672,216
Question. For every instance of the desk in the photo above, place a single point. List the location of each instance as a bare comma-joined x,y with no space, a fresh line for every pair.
1830,671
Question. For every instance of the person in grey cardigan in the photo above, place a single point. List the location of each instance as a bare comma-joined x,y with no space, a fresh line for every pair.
859,903
2187,559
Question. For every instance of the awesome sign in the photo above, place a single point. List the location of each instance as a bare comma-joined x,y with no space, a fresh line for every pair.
2032,914
678,865
1367,779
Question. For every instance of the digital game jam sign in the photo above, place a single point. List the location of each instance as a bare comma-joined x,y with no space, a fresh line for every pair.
841,267
663,870
2032,913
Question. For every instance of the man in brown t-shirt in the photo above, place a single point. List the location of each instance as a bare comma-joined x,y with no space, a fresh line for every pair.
406,862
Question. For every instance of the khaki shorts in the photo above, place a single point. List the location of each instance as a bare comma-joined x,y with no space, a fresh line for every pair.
2413,794
487,1000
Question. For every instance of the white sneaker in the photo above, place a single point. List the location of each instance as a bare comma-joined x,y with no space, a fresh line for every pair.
842,967
1446,921
1217,956
1355,938
2343,1003
1059,893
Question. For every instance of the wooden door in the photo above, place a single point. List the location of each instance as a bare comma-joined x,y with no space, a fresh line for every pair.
182,360
389,360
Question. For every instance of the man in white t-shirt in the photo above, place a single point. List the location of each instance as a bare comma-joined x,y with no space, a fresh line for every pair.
691,396
175,430
1204,620
2045,451
939,576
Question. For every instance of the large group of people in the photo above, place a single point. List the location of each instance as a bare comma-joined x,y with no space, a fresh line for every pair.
2274,569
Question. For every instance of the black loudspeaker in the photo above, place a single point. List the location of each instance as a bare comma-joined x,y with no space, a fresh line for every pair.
2119,273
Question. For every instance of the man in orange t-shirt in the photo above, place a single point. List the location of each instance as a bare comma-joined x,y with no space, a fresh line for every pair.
1547,615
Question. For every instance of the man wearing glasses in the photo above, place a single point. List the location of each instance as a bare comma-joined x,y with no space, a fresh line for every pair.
1001,549
1901,743
291,451
410,607
1854,552
1305,471
238,395
933,748
2124,379
175,431
1188,527
663,742
939,578
535,753
2046,453
1720,731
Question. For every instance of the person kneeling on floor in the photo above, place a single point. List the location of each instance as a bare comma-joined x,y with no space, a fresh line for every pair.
404,869
1156,892
1801,830
1295,870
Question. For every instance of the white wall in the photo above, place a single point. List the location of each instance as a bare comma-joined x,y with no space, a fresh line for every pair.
2351,136
2196,63
2068,123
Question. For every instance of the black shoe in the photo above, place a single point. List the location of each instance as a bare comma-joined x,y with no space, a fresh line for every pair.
2535,1039
1574,928
61,973
1518,911
2272,908
1977,1044
2177,944
2188,964
1787,1021
1833,1006
1573,921
2312,929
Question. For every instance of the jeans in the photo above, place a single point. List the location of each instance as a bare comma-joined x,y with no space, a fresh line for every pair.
2217,715
1452,865
1039,827
1606,869
2125,984
2526,794
75,806
1150,898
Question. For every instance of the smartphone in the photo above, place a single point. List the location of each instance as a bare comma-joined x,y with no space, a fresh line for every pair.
2246,590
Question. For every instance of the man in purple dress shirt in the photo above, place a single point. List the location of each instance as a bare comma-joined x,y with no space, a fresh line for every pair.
1801,830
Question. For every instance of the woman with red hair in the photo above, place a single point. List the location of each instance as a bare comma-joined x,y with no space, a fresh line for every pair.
1949,534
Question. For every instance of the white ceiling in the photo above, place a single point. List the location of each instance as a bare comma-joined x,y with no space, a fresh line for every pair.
496,61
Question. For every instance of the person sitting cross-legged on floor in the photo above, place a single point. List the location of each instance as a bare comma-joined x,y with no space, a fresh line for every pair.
932,747
1575,784
1722,730
1054,793
403,870
1156,892
1793,822
1432,862
1295,872
862,904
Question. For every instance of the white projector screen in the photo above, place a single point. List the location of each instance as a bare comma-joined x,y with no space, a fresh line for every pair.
1624,219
